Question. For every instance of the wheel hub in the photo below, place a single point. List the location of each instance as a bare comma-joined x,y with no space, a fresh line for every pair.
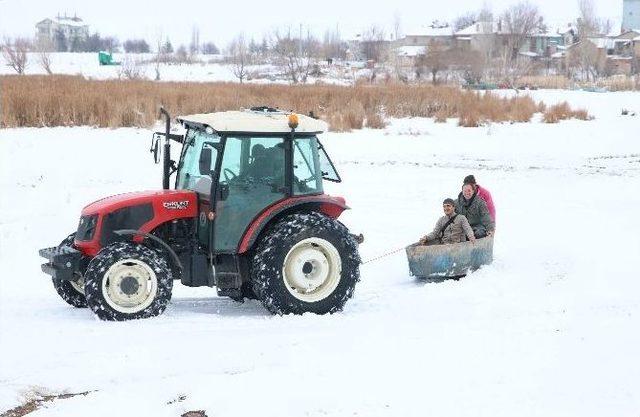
129,286
307,268
312,269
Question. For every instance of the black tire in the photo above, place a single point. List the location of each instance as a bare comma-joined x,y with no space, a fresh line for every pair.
247,291
97,294
64,288
267,265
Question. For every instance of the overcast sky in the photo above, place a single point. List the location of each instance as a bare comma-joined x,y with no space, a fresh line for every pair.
219,21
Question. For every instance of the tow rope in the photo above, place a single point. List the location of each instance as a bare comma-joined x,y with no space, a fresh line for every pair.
384,255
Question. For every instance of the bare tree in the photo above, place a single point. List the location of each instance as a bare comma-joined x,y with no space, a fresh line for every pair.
131,69
374,47
239,53
474,65
518,23
182,55
209,48
465,20
588,24
587,59
44,59
585,55
44,48
159,55
438,58
332,45
297,55
517,68
15,53
485,14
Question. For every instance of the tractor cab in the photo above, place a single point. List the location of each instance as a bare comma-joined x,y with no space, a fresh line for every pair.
248,161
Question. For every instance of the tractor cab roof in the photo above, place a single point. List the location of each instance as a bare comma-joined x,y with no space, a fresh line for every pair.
269,121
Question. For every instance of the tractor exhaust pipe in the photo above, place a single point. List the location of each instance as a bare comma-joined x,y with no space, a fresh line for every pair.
166,154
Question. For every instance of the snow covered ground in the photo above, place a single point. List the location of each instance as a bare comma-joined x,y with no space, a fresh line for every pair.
551,328
209,68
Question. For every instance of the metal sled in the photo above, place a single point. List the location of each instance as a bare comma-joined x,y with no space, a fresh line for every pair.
449,261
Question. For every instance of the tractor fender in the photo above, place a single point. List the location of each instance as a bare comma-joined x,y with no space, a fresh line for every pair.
174,259
326,204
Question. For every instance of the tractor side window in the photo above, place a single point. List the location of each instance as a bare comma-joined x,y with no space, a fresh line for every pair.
198,162
306,176
329,172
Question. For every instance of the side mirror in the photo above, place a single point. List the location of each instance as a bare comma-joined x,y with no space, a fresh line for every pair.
155,146
205,161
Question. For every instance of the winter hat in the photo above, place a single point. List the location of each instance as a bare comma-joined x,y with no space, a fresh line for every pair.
469,179
449,201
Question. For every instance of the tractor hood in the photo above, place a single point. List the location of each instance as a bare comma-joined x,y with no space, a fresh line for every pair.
163,201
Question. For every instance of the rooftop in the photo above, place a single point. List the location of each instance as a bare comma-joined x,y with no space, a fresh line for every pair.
66,20
478,28
435,29
495,27
411,51
250,121
603,43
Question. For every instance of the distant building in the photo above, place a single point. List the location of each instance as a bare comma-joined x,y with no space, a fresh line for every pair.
631,15
435,32
490,37
61,31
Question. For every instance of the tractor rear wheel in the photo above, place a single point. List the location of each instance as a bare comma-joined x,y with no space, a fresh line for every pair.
128,281
307,262
71,291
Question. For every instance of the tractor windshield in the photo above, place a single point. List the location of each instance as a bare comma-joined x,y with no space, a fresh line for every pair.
198,161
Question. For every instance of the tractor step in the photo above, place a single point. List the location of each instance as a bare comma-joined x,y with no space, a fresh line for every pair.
63,261
228,284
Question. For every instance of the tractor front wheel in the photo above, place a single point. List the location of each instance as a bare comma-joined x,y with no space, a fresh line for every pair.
127,281
307,262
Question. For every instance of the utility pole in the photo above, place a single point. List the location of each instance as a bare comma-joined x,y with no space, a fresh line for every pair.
300,42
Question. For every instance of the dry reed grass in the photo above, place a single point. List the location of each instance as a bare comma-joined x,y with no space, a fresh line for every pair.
562,111
72,101
614,83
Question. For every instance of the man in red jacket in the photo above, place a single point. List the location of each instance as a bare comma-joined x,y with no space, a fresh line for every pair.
483,193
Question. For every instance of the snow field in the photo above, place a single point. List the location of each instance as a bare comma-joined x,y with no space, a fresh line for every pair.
210,68
549,329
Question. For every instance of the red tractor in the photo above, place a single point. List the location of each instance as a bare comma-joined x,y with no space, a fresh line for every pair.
248,215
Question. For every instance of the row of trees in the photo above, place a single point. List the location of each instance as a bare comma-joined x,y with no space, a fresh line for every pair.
96,42
498,57
297,51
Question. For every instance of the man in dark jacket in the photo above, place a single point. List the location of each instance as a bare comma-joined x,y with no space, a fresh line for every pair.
475,210
483,193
